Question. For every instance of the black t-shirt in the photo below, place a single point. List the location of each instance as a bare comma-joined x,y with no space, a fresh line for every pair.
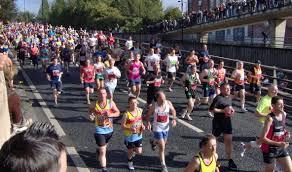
151,77
220,102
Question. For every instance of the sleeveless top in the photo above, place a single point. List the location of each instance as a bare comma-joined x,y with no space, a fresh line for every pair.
276,133
135,70
161,118
258,74
133,121
103,124
210,77
204,167
192,82
240,81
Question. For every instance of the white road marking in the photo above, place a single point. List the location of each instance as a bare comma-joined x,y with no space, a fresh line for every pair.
188,125
79,163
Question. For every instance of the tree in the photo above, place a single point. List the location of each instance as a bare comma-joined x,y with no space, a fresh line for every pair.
172,13
44,11
25,17
7,9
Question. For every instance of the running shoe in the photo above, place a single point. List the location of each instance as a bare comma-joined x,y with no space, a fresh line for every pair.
169,89
232,165
243,109
183,115
104,169
211,114
243,149
130,165
188,117
153,145
164,168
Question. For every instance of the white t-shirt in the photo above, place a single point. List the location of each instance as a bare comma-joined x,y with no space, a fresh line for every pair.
151,61
111,75
129,44
92,41
171,62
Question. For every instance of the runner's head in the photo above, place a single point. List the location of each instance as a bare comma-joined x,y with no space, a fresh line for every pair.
210,63
273,90
160,97
172,51
132,103
98,58
55,61
277,104
87,62
193,69
221,64
193,52
101,94
137,57
112,62
225,89
239,65
151,51
208,145
156,69
257,63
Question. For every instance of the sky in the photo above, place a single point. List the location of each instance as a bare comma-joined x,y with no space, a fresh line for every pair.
34,5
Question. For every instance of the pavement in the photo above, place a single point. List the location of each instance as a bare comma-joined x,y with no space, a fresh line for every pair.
76,130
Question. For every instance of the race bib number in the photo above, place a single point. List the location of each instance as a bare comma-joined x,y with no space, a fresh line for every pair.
157,82
102,120
173,63
259,76
194,86
56,72
162,118
135,71
111,76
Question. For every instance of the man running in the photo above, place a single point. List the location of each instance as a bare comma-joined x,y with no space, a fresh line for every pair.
134,77
111,75
221,78
221,124
192,80
133,127
255,77
262,110
99,69
151,60
238,76
207,78
274,138
206,159
171,62
87,76
153,81
102,111
54,75
161,111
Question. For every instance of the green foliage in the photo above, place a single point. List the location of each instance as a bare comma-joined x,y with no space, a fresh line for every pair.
44,11
172,13
7,9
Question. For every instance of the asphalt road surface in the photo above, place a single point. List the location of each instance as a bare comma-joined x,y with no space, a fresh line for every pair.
72,116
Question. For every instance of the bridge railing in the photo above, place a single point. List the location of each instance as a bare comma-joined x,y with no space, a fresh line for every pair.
271,74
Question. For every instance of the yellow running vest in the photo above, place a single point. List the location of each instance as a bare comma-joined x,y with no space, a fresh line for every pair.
133,121
207,168
102,120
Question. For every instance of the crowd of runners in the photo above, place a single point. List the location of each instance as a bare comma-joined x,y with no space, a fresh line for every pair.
103,60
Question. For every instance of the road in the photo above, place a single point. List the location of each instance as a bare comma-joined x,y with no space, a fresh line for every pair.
72,117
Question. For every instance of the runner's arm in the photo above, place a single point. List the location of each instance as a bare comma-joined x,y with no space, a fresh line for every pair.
172,110
115,112
193,165
263,137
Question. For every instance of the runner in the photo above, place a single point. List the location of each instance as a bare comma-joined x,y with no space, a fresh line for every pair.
111,75
239,80
34,52
161,111
82,55
207,78
255,77
44,56
66,57
87,76
274,138
134,76
99,68
133,127
171,62
151,60
221,78
262,110
129,43
206,159
191,59
221,124
111,41
191,82
102,111
153,81
54,75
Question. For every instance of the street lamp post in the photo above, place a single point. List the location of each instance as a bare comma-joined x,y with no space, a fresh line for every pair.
182,23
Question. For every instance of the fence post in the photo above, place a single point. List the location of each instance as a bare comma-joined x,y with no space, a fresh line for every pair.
274,75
